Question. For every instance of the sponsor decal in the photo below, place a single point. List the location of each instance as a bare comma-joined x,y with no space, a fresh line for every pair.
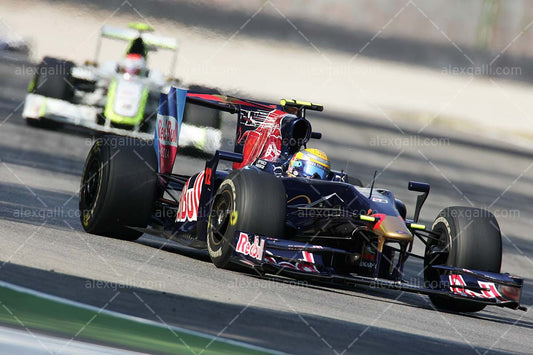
261,164
254,250
300,246
488,288
233,218
298,265
369,254
127,98
169,118
190,199
309,257
380,200
367,264
272,151
264,142
167,142
368,258
167,130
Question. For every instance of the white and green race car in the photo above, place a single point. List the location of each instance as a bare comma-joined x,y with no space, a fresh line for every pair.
116,97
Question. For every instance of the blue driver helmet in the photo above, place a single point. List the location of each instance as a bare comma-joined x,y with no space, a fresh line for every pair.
309,163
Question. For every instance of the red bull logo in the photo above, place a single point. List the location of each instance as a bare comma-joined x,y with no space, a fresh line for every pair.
167,130
167,133
254,250
190,200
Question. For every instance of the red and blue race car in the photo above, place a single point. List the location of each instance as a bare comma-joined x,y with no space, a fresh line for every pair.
325,227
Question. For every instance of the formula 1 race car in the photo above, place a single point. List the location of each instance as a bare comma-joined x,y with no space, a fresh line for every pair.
255,215
119,98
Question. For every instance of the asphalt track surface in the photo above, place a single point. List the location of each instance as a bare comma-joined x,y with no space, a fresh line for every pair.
44,247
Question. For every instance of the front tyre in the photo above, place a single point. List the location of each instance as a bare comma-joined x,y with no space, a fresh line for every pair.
247,200
118,187
472,239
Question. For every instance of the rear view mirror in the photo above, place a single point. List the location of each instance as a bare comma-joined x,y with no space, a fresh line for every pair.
418,186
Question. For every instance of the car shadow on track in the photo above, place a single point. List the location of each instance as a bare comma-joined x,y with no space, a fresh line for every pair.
386,296
280,330
360,291
366,292
173,247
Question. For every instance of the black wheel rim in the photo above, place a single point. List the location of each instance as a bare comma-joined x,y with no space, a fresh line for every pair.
91,183
220,217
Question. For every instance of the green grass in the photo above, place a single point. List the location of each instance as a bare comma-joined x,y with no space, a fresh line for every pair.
28,310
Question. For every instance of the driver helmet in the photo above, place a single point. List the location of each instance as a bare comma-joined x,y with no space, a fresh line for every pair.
309,163
133,64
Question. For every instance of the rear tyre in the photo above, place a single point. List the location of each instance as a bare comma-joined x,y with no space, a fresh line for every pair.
249,201
118,187
202,116
54,79
473,240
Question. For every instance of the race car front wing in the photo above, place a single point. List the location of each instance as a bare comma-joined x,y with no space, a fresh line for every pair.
303,260
206,139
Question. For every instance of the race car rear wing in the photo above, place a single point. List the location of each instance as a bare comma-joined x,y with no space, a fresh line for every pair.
129,34
258,129
233,105
299,107
137,30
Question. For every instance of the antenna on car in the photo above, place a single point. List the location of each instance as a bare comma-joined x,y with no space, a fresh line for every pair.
372,186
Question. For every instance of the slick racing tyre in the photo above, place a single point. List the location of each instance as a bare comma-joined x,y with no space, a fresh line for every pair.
43,123
202,116
54,79
247,200
118,187
473,240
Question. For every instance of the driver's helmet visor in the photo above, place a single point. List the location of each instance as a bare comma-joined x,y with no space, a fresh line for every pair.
131,71
133,65
309,168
